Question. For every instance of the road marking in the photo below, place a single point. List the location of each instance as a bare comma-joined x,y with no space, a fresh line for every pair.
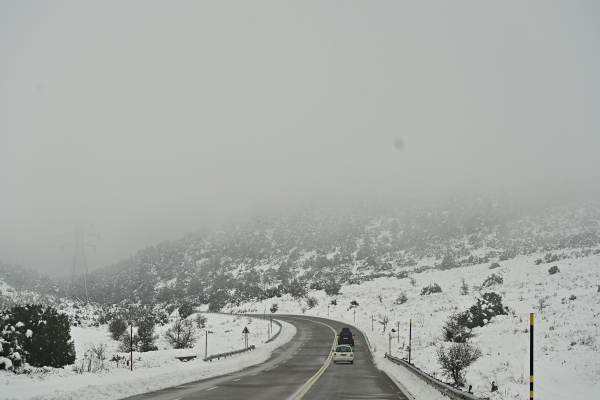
211,389
256,373
235,380
302,391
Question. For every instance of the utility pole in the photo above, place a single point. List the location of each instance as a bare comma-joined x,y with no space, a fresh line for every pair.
79,265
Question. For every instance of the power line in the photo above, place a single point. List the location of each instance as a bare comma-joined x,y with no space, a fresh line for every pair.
79,268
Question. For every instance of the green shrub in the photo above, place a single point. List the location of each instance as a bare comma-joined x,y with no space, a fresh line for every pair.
486,308
433,288
40,337
495,265
456,328
144,338
492,280
116,327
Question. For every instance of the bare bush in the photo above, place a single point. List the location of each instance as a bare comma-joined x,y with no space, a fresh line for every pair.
456,359
201,321
312,302
402,298
542,303
182,335
384,320
464,288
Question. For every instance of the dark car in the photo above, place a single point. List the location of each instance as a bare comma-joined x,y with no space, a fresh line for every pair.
346,337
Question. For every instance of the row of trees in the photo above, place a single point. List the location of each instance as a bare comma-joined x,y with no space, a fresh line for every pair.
181,335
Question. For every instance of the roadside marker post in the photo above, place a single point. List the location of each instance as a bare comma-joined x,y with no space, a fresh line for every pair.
531,356
390,349
398,330
206,346
409,340
131,343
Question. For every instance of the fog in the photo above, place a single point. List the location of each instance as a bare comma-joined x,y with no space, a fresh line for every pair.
160,118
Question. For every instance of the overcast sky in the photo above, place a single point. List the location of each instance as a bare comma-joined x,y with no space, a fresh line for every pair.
160,118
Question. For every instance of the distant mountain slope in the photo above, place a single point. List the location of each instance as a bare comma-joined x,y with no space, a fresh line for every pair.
286,251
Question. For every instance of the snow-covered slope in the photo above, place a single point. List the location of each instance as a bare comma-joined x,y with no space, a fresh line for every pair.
567,329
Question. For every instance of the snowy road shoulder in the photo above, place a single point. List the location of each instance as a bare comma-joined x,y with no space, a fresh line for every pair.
122,383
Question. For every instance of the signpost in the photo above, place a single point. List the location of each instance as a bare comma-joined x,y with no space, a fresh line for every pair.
246,332
206,346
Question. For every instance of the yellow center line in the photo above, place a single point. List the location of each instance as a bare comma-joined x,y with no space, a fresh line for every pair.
302,391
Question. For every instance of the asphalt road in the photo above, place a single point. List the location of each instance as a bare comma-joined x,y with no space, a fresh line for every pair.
290,367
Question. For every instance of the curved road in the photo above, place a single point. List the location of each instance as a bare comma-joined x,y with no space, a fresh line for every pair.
291,366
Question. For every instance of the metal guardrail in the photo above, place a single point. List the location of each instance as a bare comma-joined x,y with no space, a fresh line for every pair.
446,389
257,316
228,354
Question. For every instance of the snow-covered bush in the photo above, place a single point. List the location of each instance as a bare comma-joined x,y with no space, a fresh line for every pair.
456,359
456,328
37,336
553,270
494,265
433,288
492,280
486,308
402,298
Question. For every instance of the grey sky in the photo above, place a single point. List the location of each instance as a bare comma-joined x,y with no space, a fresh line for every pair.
163,117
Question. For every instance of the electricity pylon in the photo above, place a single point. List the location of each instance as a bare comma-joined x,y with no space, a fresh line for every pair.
79,269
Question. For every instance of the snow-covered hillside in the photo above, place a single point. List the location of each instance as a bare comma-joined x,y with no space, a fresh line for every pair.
286,251
567,331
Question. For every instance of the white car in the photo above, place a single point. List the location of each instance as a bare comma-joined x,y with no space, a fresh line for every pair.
343,353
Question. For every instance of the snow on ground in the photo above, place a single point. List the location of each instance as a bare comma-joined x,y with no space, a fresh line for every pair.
567,331
567,336
152,370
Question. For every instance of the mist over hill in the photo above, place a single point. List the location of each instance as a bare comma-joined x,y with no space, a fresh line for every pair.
290,251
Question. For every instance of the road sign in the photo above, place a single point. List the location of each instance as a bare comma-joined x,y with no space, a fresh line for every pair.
246,330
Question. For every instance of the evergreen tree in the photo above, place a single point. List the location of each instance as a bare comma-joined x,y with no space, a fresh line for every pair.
45,337
116,327
145,336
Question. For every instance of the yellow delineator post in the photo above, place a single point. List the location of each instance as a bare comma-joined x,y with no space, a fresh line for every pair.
531,357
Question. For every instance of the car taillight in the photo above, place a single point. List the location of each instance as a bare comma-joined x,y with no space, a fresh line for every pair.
352,336
335,354
351,354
